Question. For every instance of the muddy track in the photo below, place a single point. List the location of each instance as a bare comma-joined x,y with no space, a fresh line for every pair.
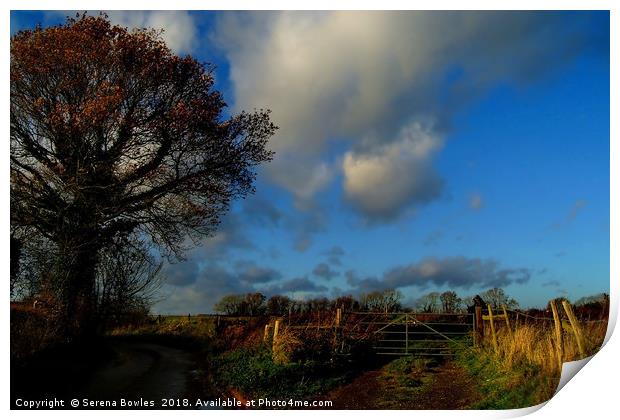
449,388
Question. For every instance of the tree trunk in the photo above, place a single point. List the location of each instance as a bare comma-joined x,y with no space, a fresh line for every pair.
75,283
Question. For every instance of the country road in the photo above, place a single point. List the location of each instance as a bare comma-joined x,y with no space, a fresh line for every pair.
143,370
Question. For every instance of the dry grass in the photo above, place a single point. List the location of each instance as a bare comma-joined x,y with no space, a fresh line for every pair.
524,370
285,345
295,345
537,344
32,330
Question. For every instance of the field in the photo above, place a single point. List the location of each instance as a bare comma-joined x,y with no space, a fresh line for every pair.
514,364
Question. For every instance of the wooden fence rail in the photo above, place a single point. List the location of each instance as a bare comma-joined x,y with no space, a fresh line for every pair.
497,319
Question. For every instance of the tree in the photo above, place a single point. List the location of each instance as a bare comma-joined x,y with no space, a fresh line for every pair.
496,297
113,135
127,280
230,305
450,301
278,305
600,298
348,303
382,301
391,300
429,302
319,304
253,304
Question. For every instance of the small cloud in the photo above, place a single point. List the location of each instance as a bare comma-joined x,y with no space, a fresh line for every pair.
573,212
552,283
302,243
323,271
334,255
433,238
475,202
559,254
576,209
250,273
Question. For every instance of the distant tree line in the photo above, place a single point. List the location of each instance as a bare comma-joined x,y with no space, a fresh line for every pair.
257,304
389,300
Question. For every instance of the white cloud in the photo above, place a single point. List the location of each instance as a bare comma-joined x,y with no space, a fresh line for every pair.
323,75
362,76
179,26
392,177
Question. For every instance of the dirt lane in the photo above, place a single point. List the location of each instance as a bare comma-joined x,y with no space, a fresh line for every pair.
446,387
143,370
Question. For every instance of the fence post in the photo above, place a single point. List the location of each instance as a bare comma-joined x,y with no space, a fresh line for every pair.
478,325
276,328
576,328
558,333
266,335
491,323
507,322
406,333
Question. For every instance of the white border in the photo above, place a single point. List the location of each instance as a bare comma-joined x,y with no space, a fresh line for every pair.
594,391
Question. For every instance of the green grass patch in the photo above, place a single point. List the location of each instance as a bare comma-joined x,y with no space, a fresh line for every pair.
252,371
402,379
522,386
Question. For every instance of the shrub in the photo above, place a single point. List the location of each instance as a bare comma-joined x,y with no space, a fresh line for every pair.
287,347
32,330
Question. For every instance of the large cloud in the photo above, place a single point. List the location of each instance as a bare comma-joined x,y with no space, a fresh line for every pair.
363,76
453,272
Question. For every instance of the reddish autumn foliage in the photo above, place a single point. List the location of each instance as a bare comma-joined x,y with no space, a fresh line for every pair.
113,135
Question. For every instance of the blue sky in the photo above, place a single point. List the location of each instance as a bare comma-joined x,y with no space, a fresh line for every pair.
419,150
